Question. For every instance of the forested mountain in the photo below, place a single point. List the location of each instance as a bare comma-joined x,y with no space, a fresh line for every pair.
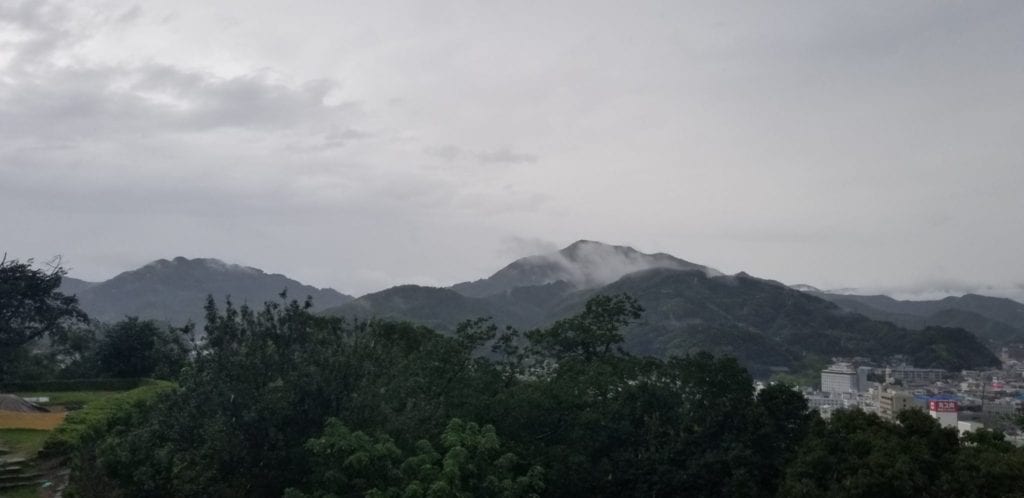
997,321
689,308
434,307
175,290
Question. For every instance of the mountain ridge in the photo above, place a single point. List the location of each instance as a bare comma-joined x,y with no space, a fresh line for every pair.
175,290
689,307
997,320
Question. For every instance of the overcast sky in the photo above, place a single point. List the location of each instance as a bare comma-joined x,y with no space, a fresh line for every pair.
361,144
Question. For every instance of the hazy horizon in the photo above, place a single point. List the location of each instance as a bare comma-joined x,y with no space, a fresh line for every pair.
937,290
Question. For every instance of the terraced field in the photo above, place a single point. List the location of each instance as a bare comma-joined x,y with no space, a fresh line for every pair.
23,474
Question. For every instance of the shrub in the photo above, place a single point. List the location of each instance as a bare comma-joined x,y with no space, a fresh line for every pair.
94,417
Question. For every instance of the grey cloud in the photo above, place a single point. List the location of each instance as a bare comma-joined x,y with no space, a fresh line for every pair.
70,103
504,155
46,99
133,13
515,247
45,26
447,152
853,144
329,141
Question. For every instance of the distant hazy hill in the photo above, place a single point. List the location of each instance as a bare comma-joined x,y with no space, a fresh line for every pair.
998,321
74,286
766,324
689,308
175,290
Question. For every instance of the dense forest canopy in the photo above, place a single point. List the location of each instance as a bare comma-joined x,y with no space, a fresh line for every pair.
279,401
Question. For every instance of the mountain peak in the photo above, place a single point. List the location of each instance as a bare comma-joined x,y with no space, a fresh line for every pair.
581,248
585,243
584,264
214,264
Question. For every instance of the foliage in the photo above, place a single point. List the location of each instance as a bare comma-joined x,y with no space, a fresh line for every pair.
93,420
135,348
279,401
590,334
473,464
857,454
31,309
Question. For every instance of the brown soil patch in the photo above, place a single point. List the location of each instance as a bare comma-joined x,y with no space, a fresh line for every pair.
18,420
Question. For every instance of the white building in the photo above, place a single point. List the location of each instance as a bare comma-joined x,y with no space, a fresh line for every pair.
964,427
839,378
946,411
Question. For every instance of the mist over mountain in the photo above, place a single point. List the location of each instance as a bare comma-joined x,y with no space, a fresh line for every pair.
175,290
585,264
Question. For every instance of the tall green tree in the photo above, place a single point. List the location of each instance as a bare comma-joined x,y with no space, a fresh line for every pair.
32,308
471,462
140,348
593,333
855,454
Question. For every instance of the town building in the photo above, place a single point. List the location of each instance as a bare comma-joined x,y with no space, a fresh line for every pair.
891,403
946,411
839,378
910,375
862,378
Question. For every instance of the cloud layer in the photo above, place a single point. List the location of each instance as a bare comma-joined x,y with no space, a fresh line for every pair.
362,145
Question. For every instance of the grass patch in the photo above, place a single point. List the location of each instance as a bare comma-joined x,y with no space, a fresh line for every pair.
23,442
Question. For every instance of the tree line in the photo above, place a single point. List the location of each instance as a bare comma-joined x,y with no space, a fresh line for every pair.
44,335
278,401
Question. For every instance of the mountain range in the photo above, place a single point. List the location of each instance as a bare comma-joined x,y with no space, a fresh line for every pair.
768,326
997,321
689,307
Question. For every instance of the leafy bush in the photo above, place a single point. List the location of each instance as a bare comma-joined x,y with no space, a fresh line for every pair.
93,419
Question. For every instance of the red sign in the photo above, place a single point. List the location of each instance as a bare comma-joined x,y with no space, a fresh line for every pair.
943,405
